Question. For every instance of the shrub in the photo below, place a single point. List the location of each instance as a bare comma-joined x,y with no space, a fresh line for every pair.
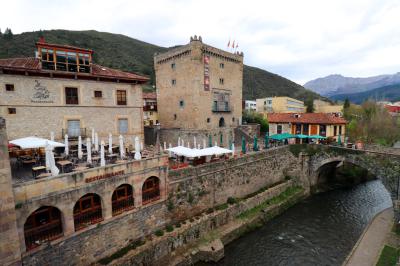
159,232
231,200
178,225
222,207
170,205
210,210
190,198
169,228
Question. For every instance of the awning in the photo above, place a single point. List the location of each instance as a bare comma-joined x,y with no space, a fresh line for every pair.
316,137
35,142
301,136
192,153
282,136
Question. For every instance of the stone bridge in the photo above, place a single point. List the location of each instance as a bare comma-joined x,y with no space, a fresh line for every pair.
383,165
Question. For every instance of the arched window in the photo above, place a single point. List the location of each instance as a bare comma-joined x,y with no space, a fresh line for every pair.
221,122
122,199
42,225
87,211
150,190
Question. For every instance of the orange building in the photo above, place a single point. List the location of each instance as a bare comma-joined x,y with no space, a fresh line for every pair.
323,124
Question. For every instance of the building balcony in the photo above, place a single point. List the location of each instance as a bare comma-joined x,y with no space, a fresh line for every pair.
224,109
150,108
74,133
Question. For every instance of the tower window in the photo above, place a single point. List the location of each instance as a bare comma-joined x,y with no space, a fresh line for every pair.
221,81
173,65
9,87
208,120
173,82
181,103
12,111
98,94
175,116
221,65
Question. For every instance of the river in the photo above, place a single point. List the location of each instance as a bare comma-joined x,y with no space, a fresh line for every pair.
321,230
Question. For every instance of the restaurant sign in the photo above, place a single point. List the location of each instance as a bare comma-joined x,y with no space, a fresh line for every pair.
41,94
104,176
206,73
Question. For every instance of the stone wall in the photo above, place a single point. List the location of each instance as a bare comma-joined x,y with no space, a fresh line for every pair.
102,114
194,190
160,249
9,246
100,240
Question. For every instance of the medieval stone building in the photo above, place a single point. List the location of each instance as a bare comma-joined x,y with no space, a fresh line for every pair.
199,92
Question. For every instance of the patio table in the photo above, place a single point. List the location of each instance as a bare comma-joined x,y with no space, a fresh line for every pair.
63,164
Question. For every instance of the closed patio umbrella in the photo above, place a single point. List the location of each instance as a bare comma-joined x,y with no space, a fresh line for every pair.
102,159
243,145
233,148
93,136
50,162
165,145
121,147
266,140
255,145
89,150
138,156
209,141
52,135
215,143
339,140
66,150
194,142
188,144
96,142
204,143
179,141
110,143
80,153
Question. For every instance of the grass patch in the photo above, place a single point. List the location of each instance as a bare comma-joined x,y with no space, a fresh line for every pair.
169,228
221,207
275,200
388,257
131,246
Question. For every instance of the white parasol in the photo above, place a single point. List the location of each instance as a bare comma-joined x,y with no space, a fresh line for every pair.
80,153
66,150
138,156
110,143
50,162
102,159
89,150
121,147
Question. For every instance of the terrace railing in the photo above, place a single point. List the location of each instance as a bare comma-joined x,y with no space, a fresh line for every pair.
87,218
47,232
119,206
150,196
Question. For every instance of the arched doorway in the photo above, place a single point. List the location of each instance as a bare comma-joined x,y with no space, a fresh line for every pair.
150,190
122,199
42,225
87,211
221,122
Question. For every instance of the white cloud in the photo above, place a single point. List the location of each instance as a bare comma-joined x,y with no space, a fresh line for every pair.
300,40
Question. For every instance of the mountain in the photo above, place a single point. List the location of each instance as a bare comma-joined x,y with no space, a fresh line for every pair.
128,54
338,84
387,93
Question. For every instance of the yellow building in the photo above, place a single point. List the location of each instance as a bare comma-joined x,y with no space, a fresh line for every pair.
280,105
326,107
150,114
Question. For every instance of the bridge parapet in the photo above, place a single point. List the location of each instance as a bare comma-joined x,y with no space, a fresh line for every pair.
383,165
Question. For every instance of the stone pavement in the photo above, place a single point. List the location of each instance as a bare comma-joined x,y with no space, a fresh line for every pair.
367,249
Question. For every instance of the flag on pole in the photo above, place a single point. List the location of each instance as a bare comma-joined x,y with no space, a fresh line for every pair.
229,43
237,45
233,44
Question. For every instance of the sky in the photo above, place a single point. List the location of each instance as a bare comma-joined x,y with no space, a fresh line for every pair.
300,40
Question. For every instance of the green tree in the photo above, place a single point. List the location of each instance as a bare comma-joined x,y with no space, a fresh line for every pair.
309,103
346,104
254,117
8,35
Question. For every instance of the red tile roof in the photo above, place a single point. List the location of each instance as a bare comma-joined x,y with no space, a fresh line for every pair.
393,108
306,118
149,95
31,64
